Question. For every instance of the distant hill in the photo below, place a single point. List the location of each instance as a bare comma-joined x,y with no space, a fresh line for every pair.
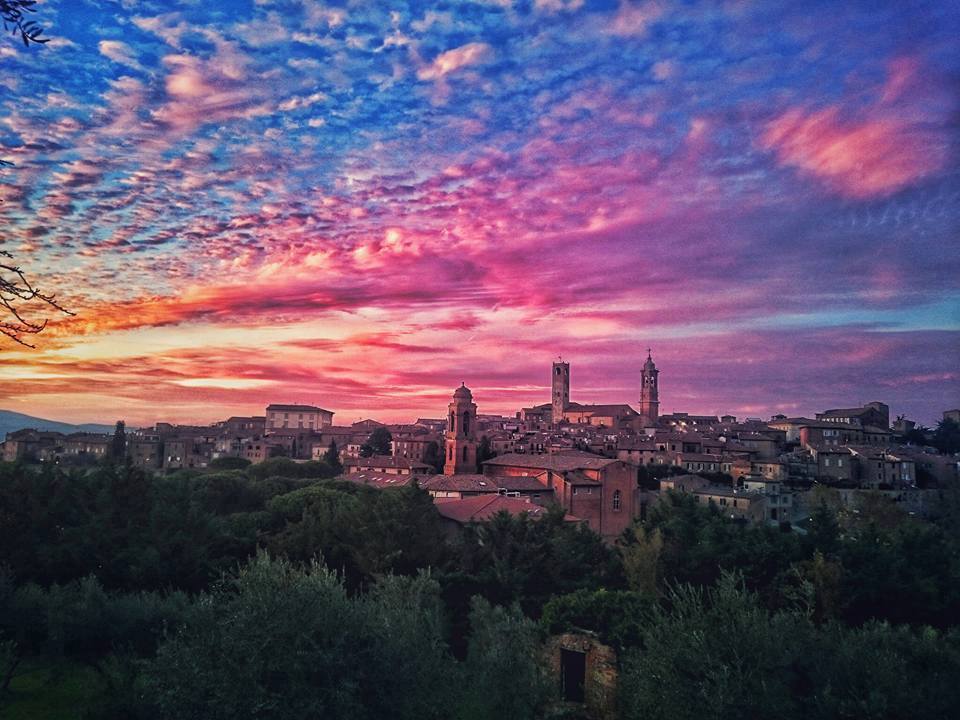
10,421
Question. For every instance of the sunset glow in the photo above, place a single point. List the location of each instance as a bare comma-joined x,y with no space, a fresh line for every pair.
359,205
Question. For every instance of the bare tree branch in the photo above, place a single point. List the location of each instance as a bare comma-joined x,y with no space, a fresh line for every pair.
15,292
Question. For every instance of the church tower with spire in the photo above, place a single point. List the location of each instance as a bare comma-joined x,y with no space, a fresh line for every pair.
650,392
461,443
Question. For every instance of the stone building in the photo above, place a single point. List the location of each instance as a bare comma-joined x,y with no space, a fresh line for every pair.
875,413
297,417
599,490
585,672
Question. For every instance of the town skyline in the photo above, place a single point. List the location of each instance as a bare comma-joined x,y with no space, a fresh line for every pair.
361,207
537,396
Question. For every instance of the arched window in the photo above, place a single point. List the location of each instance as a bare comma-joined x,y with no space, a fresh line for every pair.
453,422
616,500
466,422
464,453
450,452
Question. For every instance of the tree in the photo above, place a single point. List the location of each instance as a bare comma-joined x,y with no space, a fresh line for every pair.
504,677
378,443
433,457
917,435
617,616
118,449
641,558
281,641
946,438
332,458
229,462
484,451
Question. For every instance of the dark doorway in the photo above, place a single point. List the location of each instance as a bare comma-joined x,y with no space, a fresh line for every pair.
573,669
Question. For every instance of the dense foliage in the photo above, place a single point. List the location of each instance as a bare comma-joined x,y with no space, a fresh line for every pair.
273,590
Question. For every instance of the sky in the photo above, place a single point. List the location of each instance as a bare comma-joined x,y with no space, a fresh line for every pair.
361,205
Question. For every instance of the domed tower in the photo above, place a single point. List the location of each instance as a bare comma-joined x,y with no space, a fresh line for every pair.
650,392
461,444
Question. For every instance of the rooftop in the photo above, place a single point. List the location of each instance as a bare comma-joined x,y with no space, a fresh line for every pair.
559,462
378,480
385,461
298,408
481,508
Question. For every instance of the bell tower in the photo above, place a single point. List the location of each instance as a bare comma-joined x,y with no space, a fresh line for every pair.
461,444
560,398
650,391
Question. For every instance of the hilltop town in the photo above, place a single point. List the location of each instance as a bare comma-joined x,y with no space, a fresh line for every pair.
603,464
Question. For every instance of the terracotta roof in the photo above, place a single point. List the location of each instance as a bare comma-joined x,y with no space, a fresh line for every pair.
699,457
481,508
621,409
834,412
575,477
298,408
378,480
559,462
725,491
460,483
483,483
385,461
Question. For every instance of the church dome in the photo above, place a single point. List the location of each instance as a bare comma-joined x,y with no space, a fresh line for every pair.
463,392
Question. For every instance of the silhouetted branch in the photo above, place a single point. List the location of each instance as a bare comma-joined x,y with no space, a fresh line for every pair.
15,291
14,18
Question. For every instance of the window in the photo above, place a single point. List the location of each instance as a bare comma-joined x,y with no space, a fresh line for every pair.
464,454
616,501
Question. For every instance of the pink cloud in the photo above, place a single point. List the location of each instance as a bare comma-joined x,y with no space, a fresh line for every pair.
452,60
858,159
873,152
633,19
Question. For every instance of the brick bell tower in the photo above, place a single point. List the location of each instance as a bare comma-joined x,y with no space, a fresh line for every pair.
650,391
560,398
461,444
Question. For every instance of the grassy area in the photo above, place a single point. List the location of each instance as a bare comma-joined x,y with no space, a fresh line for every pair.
42,690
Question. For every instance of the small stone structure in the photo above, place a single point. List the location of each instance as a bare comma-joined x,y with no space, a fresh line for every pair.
598,665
